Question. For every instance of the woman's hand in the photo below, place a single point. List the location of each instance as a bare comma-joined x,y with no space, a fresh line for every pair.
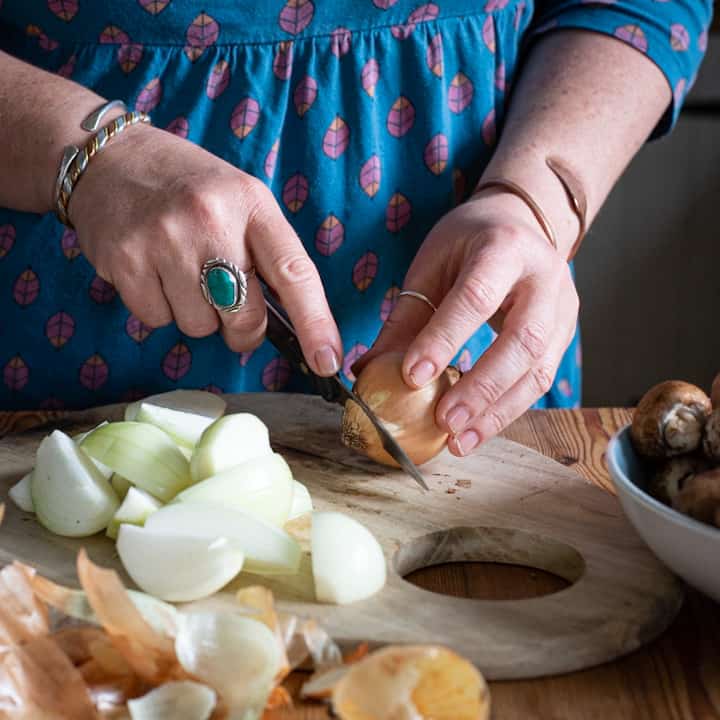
151,208
485,261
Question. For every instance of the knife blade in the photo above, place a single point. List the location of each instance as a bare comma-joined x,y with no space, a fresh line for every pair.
281,334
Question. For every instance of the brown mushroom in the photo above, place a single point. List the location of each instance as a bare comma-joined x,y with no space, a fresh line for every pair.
711,436
669,420
700,496
715,392
671,475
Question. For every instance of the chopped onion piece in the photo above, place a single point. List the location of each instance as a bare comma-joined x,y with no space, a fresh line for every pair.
262,487
237,655
348,562
20,493
177,567
182,414
180,700
104,469
135,510
267,548
121,485
301,502
231,440
70,495
142,453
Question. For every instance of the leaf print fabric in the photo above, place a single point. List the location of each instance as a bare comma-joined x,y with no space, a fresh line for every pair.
367,119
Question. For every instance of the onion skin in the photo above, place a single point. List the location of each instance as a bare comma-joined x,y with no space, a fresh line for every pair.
407,413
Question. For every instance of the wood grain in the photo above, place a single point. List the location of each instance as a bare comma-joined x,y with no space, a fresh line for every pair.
676,677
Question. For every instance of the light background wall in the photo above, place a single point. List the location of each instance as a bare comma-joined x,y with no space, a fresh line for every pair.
648,274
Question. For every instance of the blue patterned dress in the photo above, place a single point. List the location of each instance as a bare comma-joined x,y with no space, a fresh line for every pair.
368,119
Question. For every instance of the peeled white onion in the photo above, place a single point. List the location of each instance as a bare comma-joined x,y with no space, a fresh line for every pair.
20,493
237,655
104,469
179,700
70,495
267,548
182,414
348,562
302,502
135,509
143,454
232,440
262,487
121,485
175,567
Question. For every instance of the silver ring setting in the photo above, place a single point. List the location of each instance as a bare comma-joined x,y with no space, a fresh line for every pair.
224,285
418,296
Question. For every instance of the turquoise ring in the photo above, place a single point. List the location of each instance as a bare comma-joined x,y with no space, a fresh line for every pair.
224,285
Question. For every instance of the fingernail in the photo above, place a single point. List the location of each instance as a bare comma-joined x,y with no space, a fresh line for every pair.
422,372
457,418
327,361
468,441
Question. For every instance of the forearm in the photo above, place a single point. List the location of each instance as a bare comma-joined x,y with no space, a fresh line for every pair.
40,113
589,100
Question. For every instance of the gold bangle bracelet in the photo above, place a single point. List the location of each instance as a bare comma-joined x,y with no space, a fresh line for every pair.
576,196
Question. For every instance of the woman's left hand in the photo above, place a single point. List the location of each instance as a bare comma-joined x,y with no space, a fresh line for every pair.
485,261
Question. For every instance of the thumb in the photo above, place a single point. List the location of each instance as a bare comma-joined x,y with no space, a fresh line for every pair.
407,319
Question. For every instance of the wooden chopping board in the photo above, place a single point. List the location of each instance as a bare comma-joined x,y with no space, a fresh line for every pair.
505,504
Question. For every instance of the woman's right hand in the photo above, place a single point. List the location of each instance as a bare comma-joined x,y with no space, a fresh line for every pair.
151,208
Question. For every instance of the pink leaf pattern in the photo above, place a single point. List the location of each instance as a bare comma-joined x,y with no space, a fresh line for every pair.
68,67
219,79
351,357
389,302
464,361
44,41
295,192
500,77
26,288
214,389
244,357
16,373
271,159
370,174
69,244
493,5
64,9
369,76
397,213
702,41
365,271
564,387
460,94
101,291
282,63
402,32
401,117
202,33
458,185
94,372
276,374
149,96
245,117
329,236
340,40
679,37
59,329
336,138
7,239
434,55
305,95
137,330
633,35
383,4
424,13
177,362
129,55
489,134
436,154
488,33
296,16
154,7
113,35
179,126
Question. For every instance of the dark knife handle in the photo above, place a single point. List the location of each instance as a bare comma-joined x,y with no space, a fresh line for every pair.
281,334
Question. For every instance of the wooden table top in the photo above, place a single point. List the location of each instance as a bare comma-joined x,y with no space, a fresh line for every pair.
676,677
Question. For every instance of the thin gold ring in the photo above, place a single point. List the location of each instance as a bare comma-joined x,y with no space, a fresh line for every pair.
418,296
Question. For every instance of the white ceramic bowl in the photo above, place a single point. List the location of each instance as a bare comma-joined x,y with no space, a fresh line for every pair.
690,549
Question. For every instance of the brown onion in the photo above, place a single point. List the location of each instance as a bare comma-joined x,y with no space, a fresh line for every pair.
408,414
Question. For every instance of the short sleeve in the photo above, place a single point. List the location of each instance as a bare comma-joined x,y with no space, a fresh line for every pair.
673,34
